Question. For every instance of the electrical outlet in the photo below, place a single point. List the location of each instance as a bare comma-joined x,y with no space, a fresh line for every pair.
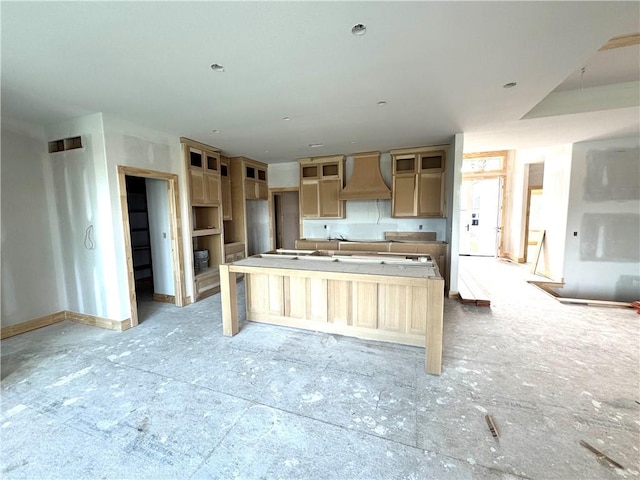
325,227
420,227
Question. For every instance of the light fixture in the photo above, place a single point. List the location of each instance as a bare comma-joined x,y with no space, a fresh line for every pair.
316,145
509,85
216,67
359,29
286,119
381,103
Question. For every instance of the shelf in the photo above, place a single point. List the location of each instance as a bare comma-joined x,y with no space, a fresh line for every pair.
205,232
208,272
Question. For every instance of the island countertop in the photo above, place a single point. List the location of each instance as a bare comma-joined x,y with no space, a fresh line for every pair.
386,266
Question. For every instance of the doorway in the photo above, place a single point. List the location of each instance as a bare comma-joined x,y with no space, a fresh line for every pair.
534,223
284,210
481,216
152,235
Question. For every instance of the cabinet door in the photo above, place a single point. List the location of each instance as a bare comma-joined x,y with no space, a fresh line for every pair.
212,189
263,191
430,195
404,196
309,207
227,212
197,186
330,205
250,189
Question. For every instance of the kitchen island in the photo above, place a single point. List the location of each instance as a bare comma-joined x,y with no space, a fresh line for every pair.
389,298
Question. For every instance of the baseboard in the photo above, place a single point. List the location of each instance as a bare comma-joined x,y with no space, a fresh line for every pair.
29,325
92,320
453,294
161,297
101,322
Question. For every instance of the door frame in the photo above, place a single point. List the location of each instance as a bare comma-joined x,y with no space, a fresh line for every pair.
502,175
526,222
272,220
175,230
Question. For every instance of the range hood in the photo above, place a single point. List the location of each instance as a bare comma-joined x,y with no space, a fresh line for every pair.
366,181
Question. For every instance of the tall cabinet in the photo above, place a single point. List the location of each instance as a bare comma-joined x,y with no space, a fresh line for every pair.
321,180
206,223
419,182
248,181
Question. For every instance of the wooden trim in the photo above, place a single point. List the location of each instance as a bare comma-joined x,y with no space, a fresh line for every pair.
29,325
453,294
161,297
622,41
229,300
175,227
433,335
101,322
195,144
47,320
408,151
546,287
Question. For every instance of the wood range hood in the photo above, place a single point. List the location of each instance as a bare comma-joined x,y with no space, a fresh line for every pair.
366,181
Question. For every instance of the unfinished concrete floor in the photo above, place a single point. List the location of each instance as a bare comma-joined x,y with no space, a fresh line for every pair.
173,398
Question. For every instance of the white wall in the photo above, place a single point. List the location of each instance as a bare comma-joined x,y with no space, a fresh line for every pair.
283,175
555,204
81,189
31,272
131,145
160,236
454,180
602,261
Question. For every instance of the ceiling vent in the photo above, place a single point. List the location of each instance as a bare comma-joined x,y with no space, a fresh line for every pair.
366,181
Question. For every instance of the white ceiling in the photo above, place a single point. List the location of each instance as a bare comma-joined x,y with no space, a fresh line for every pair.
440,67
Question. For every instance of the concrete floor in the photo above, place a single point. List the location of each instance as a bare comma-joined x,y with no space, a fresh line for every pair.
173,398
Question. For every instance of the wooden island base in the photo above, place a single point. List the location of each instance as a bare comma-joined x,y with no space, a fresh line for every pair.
391,302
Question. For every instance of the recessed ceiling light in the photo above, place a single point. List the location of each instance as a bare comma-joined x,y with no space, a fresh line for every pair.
509,85
359,29
215,131
381,103
353,141
216,67
286,119
316,145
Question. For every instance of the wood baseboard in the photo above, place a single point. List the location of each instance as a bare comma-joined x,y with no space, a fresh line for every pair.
101,322
92,320
34,324
161,297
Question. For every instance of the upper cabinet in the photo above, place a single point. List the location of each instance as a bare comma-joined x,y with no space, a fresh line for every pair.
418,182
204,176
321,180
255,180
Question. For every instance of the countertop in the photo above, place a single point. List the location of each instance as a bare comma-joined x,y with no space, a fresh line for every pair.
388,267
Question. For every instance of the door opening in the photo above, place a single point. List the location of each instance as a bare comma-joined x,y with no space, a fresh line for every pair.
285,218
153,245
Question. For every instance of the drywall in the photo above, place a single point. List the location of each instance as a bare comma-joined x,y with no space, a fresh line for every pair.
82,197
602,249
131,145
454,181
555,204
283,175
31,277
160,236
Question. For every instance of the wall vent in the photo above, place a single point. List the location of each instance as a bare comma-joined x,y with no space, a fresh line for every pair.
64,144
